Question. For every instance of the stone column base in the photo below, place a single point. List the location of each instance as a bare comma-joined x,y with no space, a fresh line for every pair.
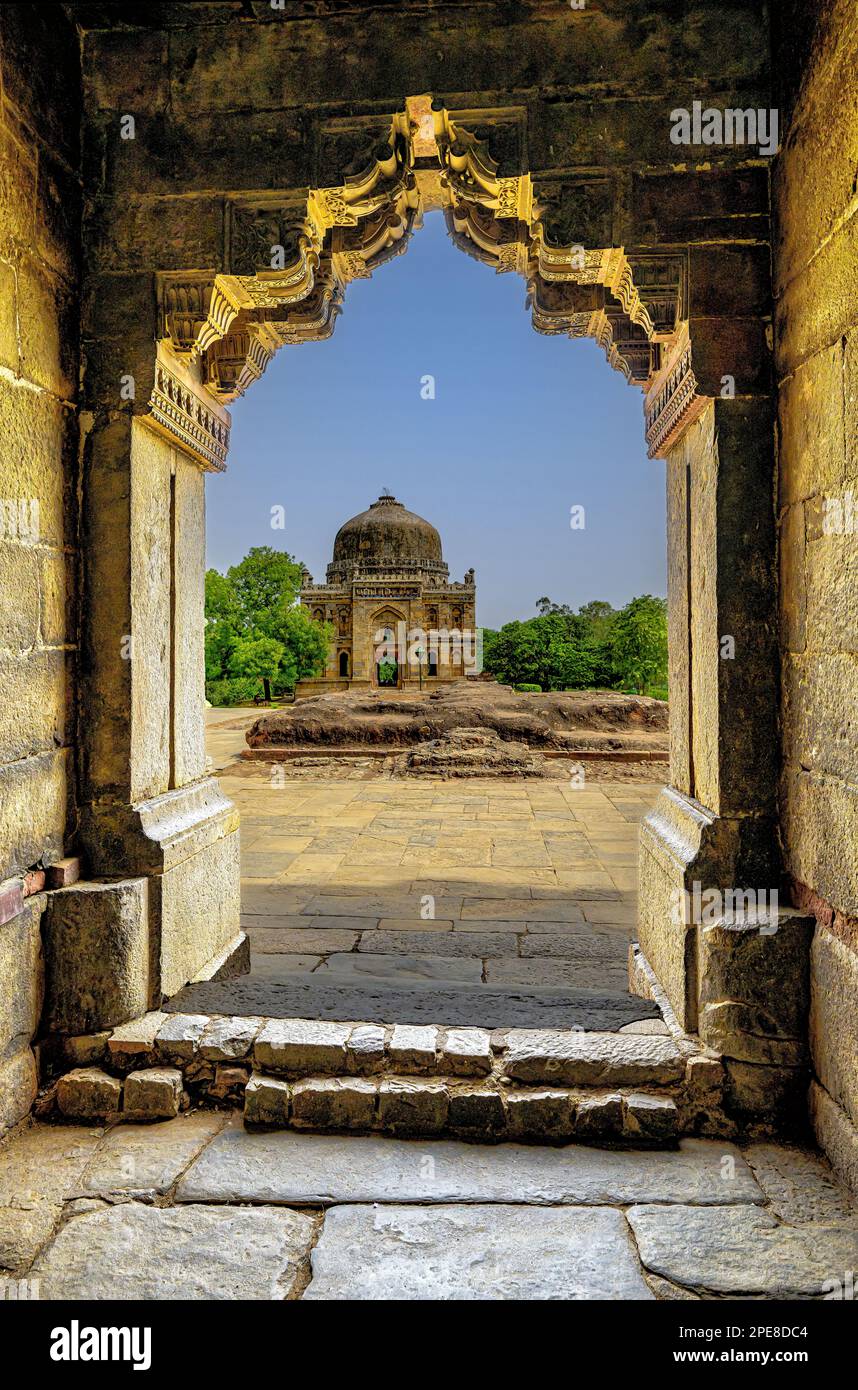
186,844
683,845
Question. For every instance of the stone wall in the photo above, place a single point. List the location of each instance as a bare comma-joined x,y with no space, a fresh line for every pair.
816,346
39,252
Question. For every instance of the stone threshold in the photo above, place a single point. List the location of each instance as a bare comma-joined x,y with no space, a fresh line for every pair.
541,1085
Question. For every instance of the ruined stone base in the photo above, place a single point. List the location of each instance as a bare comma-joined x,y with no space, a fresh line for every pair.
470,753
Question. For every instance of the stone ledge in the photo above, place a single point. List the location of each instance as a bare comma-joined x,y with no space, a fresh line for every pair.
592,1059
485,1111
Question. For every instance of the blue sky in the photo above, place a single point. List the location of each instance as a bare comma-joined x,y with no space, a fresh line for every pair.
522,428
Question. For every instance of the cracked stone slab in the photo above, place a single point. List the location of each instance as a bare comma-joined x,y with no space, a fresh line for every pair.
39,1168
475,1252
145,1161
134,1251
801,1185
317,1169
742,1250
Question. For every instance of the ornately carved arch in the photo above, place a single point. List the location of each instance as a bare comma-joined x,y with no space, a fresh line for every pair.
289,267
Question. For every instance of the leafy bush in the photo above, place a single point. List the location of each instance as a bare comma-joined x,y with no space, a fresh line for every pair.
524,688
233,691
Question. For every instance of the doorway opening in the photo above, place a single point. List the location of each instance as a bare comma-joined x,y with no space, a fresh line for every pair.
486,900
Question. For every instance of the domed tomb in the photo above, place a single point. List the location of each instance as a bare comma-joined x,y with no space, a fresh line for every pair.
386,537
387,591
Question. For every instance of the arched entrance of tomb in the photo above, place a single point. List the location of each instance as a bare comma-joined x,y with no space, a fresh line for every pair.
386,636
677,319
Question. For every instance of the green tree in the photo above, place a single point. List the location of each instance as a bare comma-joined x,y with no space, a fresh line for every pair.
306,644
255,629
639,643
262,583
256,656
221,598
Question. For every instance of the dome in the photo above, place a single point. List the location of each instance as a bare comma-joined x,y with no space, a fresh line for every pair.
387,536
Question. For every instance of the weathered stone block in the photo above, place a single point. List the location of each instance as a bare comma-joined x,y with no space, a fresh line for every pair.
133,1044
591,1059
767,1099
544,1114
466,1052
228,1038
651,1118
365,1048
32,703
755,986
836,1134
33,801
267,1101
700,205
154,1093
96,955
300,1046
334,1103
179,1036
834,1018
64,1054
413,1048
18,1087
22,974
198,900
477,1109
599,1116
819,825
412,1107
88,1093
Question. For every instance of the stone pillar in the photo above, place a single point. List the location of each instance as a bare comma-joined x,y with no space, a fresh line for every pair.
716,824
148,809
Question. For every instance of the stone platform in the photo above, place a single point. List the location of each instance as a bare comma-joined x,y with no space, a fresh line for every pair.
172,1211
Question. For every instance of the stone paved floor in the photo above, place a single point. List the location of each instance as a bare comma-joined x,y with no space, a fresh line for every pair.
198,1208
517,898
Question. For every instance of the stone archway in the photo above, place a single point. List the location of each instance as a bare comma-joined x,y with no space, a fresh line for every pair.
668,319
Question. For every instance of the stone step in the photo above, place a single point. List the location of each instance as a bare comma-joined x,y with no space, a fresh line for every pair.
451,1005
418,1107
530,1084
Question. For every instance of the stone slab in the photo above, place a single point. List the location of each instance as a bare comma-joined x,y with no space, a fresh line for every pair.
742,1251
301,1169
476,1252
145,1161
39,1167
176,1253
801,1186
455,1006
466,943
355,966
